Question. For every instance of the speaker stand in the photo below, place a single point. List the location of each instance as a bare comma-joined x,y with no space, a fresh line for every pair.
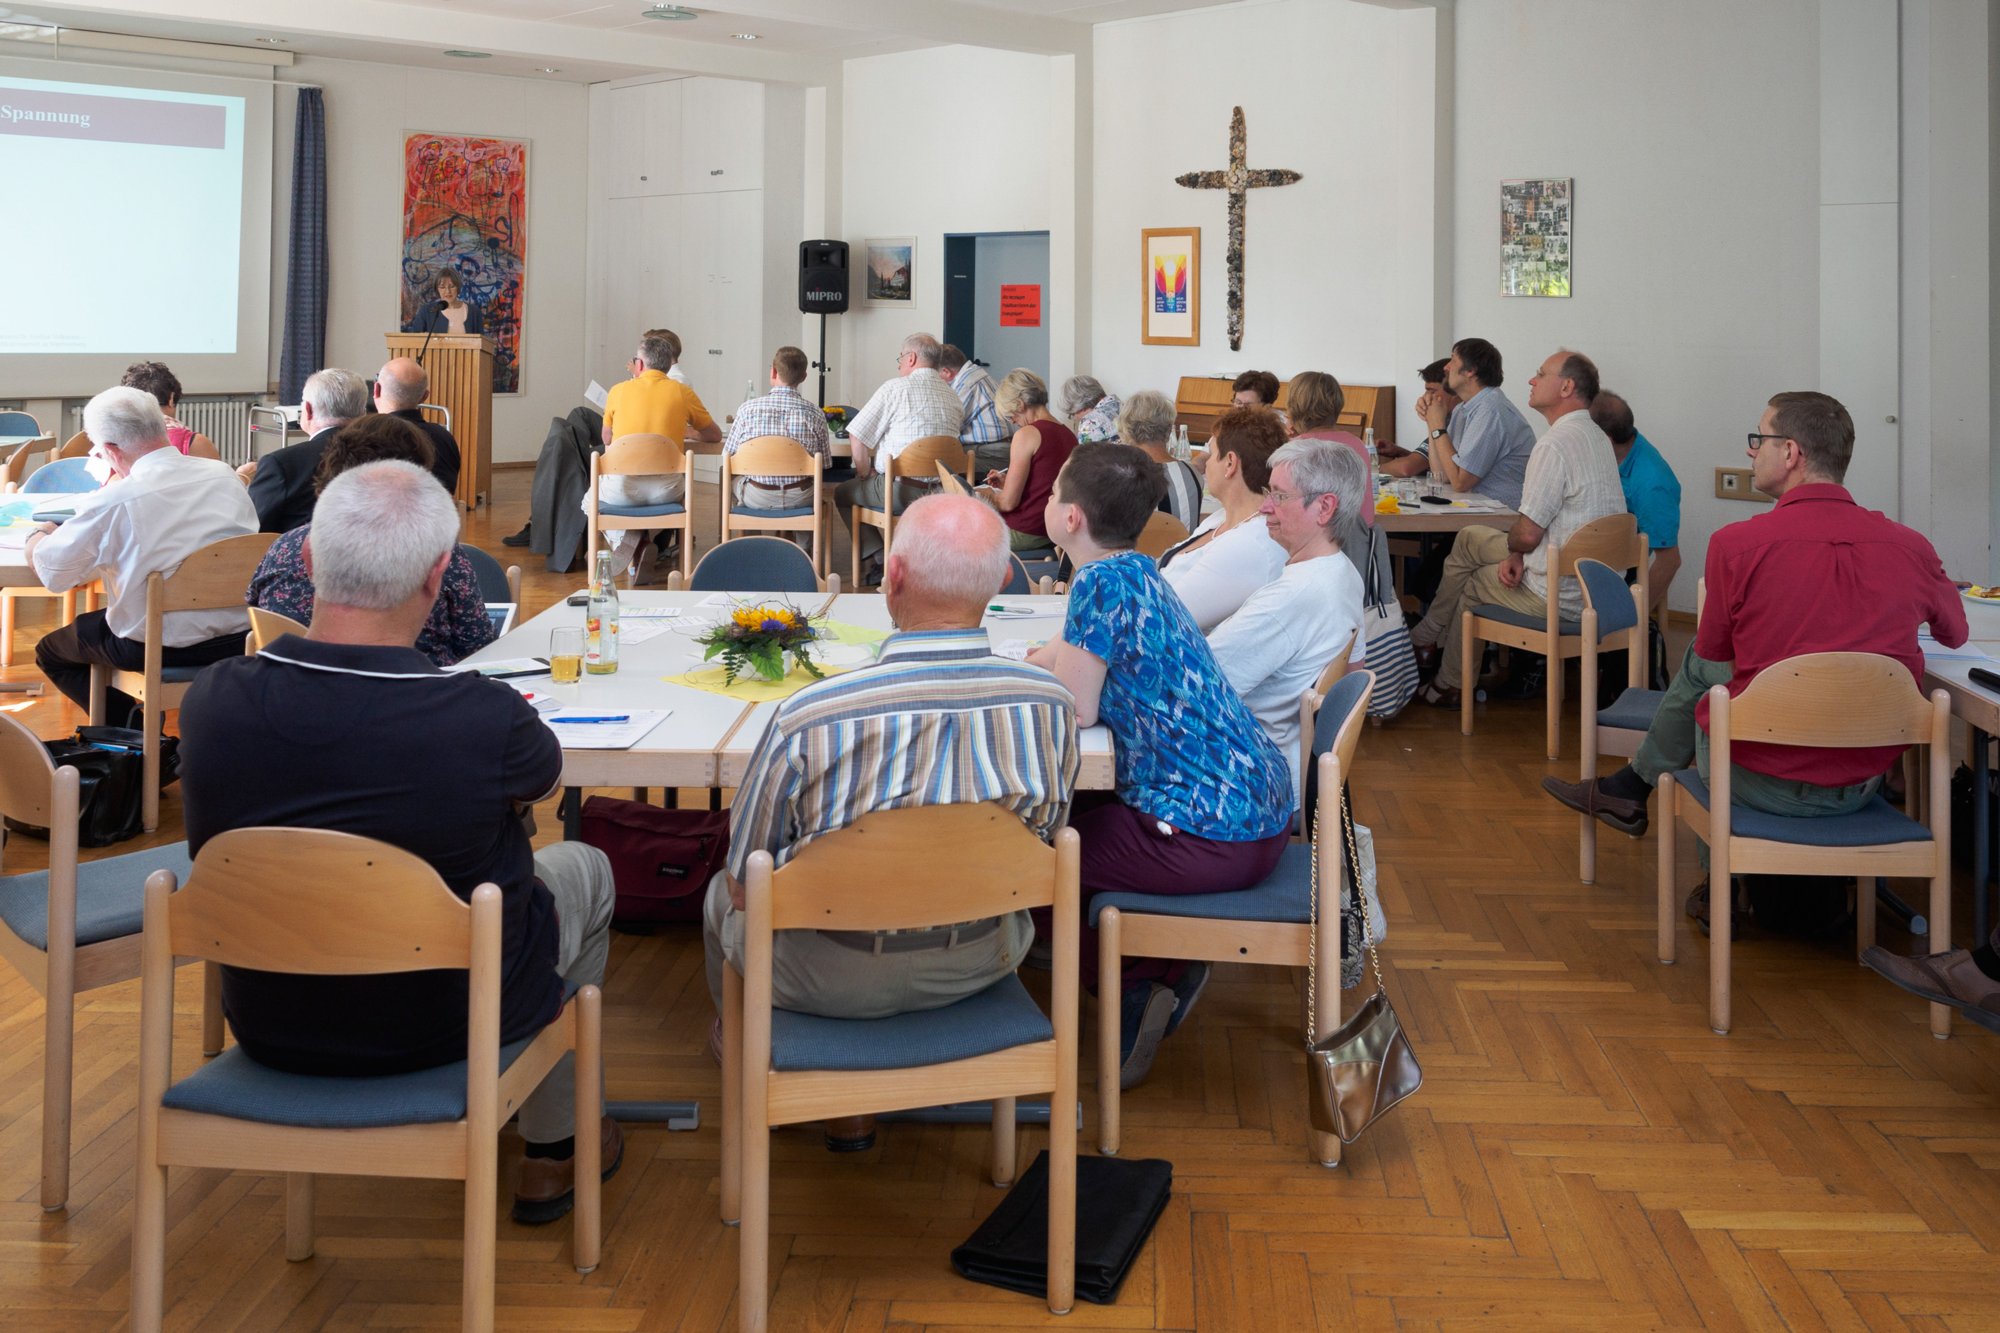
820,365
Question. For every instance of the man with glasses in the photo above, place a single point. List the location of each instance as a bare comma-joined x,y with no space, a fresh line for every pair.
918,403
1572,480
1816,574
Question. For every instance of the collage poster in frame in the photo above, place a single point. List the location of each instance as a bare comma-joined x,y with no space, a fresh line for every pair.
1170,294
1534,237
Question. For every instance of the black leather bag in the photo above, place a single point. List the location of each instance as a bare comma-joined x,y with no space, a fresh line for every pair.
1117,1203
110,768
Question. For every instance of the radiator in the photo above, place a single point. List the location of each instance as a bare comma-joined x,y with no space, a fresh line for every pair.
223,418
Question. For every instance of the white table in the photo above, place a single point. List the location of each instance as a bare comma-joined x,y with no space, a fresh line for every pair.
1979,708
15,571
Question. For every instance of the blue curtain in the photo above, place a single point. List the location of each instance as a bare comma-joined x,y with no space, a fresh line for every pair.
305,286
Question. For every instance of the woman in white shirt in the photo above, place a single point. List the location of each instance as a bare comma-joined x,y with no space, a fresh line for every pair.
1274,648
1231,554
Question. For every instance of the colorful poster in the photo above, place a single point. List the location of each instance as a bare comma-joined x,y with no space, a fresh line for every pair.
1172,294
1534,237
465,209
1020,305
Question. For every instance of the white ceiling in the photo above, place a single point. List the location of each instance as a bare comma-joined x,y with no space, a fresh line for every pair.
591,40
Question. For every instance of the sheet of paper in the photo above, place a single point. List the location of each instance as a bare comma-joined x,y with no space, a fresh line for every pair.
640,630
15,538
648,613
1932,650
1014,649
595,395
576,733
503,666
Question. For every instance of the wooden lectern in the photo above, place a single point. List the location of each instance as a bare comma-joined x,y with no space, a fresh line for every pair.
461,370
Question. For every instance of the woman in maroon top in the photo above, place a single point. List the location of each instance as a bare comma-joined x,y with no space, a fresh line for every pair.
1040,447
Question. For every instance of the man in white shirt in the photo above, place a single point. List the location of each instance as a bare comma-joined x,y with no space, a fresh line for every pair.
918,403
160,507
1277,644
1572,480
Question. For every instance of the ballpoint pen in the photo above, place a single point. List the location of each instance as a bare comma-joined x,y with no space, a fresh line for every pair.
620,717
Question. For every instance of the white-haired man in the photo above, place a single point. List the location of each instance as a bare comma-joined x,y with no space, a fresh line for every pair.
159,507
342,729
400,389
918,403
938,720
281,482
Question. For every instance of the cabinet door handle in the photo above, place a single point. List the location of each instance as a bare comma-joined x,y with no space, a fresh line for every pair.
715,351
716,172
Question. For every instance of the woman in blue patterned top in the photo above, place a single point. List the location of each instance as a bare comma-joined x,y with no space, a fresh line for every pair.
1204,799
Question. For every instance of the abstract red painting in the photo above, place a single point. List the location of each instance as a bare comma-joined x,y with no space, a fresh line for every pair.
465,210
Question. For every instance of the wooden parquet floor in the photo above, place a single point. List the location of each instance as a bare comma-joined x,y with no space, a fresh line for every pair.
1584,1152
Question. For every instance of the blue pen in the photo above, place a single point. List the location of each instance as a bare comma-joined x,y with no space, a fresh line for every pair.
621,717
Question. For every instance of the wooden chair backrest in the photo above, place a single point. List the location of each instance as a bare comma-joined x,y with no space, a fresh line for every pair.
322,903
921,457
1832,700
953,483
267,627
76,446
1354,421
214,577
1161,534
1201,400
17,462
837,882
26,791
1614,539
1336,668
640,455
771,456
1347,741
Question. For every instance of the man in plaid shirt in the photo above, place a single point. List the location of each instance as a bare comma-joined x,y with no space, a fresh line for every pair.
783,411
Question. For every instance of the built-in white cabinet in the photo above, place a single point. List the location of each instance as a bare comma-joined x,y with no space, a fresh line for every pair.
646,139
722,135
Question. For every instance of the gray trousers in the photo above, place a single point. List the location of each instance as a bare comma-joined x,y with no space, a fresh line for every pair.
578,877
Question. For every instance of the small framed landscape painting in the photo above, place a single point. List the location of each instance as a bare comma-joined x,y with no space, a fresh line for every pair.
1171,293
890,272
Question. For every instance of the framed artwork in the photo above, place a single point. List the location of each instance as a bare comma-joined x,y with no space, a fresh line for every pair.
465,208
1170,298
890,271
1534,237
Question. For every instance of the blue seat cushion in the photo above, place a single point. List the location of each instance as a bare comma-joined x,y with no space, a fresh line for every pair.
1632,710
178,675
1285,895
639,511
745,511
1507,615
1874,823
110,894
1001,1016
236,1086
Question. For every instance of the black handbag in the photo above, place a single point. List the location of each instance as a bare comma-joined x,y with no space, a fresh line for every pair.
110,767
1117,1203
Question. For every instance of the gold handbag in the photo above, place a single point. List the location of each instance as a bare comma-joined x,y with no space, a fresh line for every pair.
1358,1071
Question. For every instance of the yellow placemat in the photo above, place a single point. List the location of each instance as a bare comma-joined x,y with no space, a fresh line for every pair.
753,688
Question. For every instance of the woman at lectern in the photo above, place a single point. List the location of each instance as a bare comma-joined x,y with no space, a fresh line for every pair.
449,314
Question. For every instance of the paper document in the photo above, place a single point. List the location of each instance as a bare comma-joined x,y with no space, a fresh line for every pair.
595,395
15,538
629,612
504,666
631,630
582,728
1932,650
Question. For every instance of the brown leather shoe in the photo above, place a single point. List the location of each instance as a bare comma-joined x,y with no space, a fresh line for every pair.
1590,798
1942,978
1438,696
547,1185
851,1133
1427,660
1697,907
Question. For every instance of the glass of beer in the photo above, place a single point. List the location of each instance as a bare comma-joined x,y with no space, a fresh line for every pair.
566,654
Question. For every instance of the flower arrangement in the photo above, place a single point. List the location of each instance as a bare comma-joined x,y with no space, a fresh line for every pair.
756,638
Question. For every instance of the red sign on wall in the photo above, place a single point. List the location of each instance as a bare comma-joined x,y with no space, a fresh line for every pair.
1020,305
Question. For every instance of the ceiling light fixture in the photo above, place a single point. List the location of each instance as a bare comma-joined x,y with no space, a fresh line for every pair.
745,36
668,13
471,55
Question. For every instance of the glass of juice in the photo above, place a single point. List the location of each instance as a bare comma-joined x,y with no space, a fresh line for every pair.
566,654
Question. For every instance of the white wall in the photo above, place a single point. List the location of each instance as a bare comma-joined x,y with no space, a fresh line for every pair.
1695,146
1323,93
369,108
909,168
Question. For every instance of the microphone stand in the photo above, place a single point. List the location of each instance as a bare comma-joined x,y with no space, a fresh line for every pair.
431,311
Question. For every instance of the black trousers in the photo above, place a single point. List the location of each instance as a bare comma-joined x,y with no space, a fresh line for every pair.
66,655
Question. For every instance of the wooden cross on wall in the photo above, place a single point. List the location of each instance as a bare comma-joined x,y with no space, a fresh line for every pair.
1239,180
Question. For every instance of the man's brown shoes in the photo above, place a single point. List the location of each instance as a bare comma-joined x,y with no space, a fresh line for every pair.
547,1188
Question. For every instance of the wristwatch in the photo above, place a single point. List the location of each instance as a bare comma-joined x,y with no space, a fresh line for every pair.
1436,433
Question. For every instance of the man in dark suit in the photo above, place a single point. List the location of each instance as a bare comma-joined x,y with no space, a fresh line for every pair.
400,389
281,482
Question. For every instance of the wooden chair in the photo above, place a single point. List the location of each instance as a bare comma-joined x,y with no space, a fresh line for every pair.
13,421
775,456
1836,700
952,483
323,903
1269,925
266,628
1310,704
495,584
76,446
211,579
69,929
643,455
1610,622
16,469
1161,534
781,1067
1615,540
919,459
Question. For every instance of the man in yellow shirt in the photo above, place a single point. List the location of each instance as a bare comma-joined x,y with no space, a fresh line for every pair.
650,404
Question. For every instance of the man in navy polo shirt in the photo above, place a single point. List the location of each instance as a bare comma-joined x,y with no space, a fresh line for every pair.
351,728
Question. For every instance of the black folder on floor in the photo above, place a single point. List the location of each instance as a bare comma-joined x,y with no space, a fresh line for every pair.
1117,1203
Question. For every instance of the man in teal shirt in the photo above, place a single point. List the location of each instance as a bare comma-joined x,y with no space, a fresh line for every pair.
1652,492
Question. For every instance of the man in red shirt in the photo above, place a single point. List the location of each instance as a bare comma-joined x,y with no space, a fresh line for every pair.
1817,574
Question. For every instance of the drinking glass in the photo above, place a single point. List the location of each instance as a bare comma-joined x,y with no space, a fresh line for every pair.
566,654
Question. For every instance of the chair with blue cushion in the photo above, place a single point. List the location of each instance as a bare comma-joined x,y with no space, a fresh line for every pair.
15,422
642,456
1270,925
1611,621
757,564
776,456
1830,700
496,584
59,476
1614,540
70,928
322,903
781,1067
214,578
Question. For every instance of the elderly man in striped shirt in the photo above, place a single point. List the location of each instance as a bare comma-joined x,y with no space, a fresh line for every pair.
938,720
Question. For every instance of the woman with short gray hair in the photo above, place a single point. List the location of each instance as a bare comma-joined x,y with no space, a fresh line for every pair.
1275,646
1146,422
1092,413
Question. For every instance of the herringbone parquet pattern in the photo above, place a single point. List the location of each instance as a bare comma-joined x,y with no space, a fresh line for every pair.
1584,1152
